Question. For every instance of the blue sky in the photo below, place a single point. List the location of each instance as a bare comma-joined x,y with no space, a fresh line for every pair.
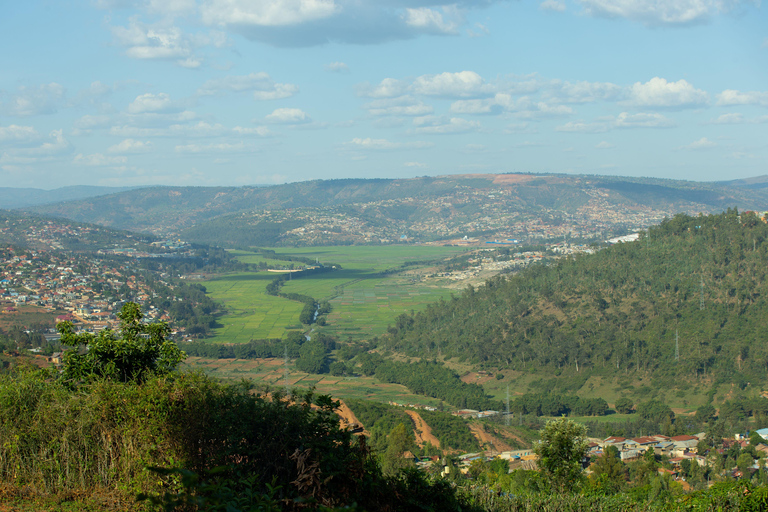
240,92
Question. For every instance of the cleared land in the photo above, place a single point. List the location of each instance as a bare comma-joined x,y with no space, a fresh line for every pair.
272,371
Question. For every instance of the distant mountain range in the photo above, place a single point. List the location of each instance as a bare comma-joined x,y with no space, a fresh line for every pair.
11,198
527,206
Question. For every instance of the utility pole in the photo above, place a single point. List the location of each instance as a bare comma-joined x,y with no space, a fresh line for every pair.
506,418
677,347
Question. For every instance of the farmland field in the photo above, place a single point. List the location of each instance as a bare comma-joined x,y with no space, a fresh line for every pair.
367,293
251,313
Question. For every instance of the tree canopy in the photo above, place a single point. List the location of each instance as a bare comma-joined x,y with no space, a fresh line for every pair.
562,447
130,354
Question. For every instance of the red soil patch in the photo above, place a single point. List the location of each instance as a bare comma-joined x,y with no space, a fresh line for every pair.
423,432
488,439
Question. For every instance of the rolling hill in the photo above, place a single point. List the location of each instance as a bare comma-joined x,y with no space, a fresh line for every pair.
423,209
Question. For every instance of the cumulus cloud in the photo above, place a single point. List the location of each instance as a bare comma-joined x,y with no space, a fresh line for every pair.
298,23
259,131
266,13
164,42
657,92
623,120
733,97
153,103
16,134
288,116
431,20
30,101
414,164
642,120
659,12
262,86
387,88
604,145
130,146
702,143
57,146
385,145
440,125
542,109
97,159
452,85
737,118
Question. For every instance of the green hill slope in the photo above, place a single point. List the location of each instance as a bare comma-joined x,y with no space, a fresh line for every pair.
699,280
426,208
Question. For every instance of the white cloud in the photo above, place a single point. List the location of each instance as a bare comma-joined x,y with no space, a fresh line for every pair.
414,164
288,116
152,103
31,101
385,145
15,133
97,159
268,13
542,109
263,87
477,106
604,145
201,129
657,92
623,120
552,5
164,42
581,127
737,118
584,92
337,67
88,121
388,88
463,84
56,147
260,131
733,97
59,145
223,147
430,20
402,106
642,120
442,125
659,12
130,146
702,143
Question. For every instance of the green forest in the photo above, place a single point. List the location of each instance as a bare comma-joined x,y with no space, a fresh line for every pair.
687,300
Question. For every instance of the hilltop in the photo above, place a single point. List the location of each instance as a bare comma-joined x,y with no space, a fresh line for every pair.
359,211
